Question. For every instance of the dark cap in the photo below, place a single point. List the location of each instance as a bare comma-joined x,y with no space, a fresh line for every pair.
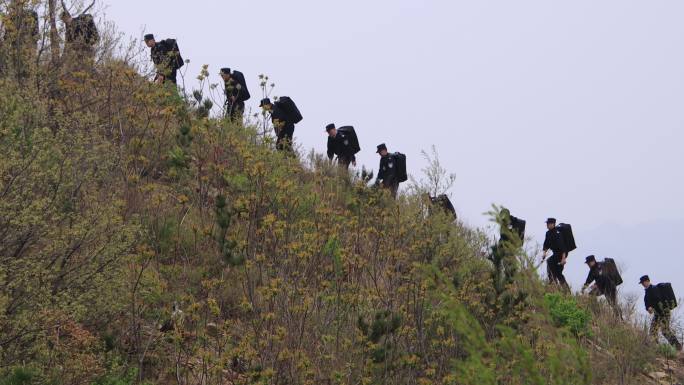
381,147
264,102
551,220
225,70
329,127
644,278
149,36
590,258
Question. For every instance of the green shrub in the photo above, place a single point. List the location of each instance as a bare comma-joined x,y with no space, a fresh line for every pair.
567,313
19,376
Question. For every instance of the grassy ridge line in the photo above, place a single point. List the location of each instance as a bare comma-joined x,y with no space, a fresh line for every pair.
286,272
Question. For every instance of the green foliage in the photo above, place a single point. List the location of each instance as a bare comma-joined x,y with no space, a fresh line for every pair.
332,249
379,334
567,313
224,218
667,351
19,376
127,378
509,298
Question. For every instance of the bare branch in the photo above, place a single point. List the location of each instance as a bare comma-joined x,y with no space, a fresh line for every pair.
88,8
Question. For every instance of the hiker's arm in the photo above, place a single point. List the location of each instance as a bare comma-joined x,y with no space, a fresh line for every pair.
331,149
590,279
547,246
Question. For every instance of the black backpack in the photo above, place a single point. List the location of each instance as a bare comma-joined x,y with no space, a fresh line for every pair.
240,79
611,271
445,203
518,226
177,61
565,231
400,161
667,296
292,113
351,133
86,24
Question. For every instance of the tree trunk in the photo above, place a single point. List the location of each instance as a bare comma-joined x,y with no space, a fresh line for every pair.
54,33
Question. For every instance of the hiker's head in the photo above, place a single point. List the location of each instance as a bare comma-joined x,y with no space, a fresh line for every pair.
331,130
149,40
550,223
266,104
225,74
382,149
590,261
645,281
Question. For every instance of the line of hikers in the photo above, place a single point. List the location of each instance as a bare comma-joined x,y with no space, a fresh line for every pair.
603,277
20,38
343,142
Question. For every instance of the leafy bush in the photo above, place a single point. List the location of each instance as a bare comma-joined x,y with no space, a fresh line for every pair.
19,376
567,313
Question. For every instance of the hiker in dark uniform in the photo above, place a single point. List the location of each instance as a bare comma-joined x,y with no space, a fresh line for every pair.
236,93
166,58
20,39
80,36
512,229
602,282
442,202
662,314
282,124
340,144
556,263
387,172
503,255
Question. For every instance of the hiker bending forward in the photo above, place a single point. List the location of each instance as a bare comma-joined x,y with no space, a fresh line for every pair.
662,314
556,263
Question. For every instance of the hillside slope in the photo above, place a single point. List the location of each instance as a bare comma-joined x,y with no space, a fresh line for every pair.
124,210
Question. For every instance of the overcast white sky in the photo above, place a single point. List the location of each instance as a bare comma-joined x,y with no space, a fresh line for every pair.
571,109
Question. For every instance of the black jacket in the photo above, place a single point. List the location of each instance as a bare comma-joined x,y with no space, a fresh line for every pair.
280,114
596,275
515,227
554,241
164,56
287,130
388,170
82,31
442,201
653,299
341,145
233,88
237,86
